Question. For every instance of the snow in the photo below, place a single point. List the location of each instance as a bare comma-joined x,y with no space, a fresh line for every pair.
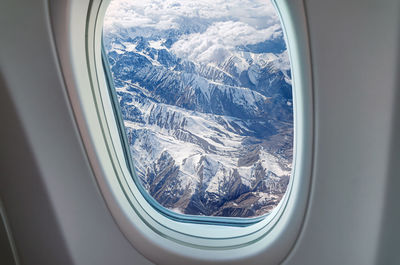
158,45
130,47
205,148
188,155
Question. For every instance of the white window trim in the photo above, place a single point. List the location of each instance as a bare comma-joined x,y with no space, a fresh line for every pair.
162,240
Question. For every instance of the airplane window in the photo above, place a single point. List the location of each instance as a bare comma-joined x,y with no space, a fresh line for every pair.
204,94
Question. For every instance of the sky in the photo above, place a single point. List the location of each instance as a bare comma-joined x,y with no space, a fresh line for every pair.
228,23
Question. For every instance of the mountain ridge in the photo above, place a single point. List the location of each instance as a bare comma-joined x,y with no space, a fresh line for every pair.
209,139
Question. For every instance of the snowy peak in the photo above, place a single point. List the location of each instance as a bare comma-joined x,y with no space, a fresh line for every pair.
207,108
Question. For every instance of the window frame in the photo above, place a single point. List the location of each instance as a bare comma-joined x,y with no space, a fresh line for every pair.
220,220
158,237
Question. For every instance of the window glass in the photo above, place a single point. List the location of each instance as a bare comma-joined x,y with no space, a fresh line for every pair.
204,90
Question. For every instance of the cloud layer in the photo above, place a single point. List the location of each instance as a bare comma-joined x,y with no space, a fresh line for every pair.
230,23
220,40
163,14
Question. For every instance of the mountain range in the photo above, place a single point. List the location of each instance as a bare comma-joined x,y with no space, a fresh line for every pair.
210,137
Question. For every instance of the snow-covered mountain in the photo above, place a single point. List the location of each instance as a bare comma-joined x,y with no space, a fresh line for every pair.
210,128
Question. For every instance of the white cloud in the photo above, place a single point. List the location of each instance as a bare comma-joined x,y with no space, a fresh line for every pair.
229,23
162,14
220,39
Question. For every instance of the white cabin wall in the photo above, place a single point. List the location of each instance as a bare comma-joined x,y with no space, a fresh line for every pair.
355,59
58,216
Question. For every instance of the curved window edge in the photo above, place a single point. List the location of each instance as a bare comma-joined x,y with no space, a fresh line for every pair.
186,218
174,243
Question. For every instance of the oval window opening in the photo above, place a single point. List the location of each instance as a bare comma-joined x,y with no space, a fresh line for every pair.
204,95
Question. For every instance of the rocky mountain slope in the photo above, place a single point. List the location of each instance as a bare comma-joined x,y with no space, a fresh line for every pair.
208,138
